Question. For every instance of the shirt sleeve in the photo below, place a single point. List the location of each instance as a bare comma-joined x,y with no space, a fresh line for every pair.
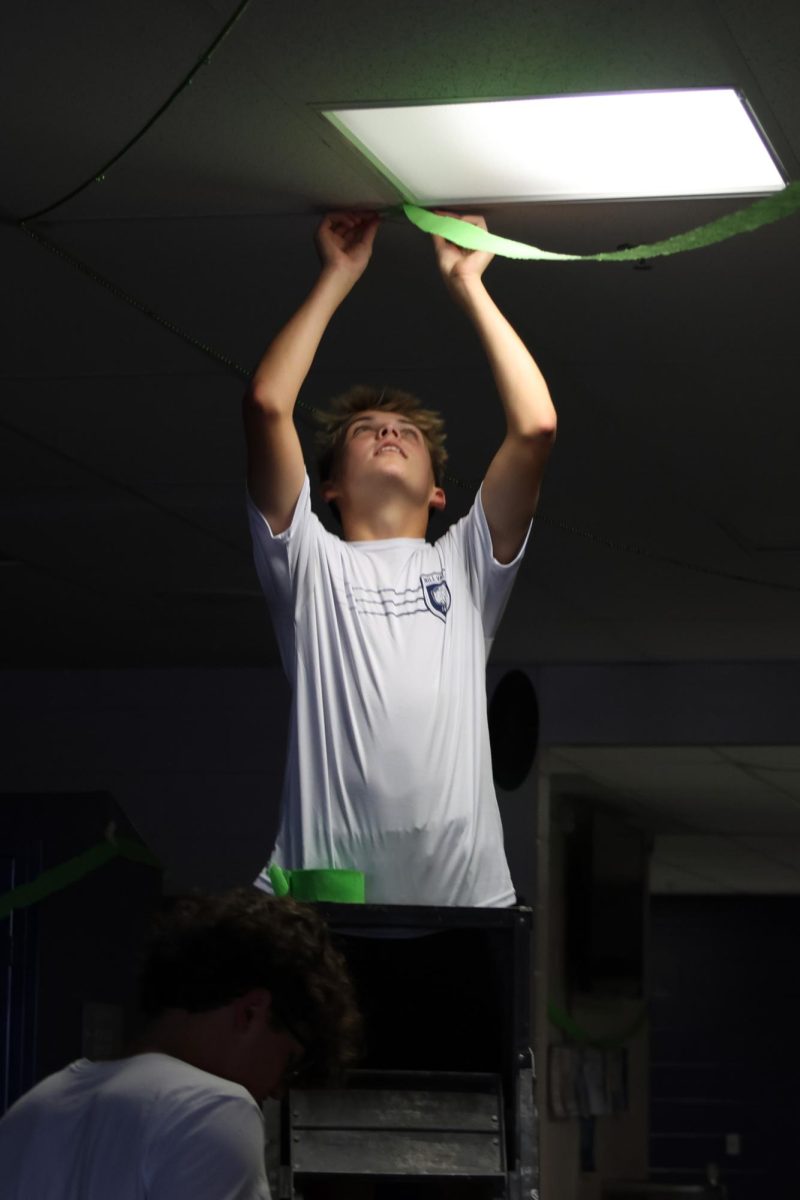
275,554
210,1150
285,565
490,581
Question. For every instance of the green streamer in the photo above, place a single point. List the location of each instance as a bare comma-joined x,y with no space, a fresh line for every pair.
762,212
73,870
567,1024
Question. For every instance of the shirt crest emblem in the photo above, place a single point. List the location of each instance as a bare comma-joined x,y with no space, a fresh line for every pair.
436,594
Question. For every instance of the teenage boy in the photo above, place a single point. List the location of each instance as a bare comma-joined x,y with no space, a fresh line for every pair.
384,636
240,992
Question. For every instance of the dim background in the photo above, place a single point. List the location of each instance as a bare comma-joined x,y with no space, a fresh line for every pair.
656,613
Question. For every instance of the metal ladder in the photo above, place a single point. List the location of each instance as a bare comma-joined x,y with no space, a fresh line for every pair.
455,1134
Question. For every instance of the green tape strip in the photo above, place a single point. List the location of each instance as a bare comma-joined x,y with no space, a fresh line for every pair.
762,212
71,871
567,1024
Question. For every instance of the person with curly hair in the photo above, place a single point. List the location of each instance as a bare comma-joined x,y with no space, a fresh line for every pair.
240,993
384,635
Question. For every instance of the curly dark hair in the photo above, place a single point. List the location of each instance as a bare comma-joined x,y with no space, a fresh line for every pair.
206,950
333,423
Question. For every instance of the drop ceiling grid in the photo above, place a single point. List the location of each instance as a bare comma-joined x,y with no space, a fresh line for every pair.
262,76
140,431
739,833
701,787
97,93
768,758
731,863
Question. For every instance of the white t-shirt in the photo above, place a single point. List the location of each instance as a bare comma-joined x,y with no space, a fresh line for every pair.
388,767
149,1127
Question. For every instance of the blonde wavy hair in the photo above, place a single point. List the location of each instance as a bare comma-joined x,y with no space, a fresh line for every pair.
334,421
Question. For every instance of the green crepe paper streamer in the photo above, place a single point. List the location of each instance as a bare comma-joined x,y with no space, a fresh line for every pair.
762,212
568,1025
71,871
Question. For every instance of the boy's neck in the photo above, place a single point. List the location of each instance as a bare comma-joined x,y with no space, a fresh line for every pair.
384,523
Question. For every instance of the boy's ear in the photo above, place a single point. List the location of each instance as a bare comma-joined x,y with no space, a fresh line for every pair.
253,1007
328,490
438,499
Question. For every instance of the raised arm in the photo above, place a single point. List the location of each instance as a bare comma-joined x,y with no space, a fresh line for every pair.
275,468
512,483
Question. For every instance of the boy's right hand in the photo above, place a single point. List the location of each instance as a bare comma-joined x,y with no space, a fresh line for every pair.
344,242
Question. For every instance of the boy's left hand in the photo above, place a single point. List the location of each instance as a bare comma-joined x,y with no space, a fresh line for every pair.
455,262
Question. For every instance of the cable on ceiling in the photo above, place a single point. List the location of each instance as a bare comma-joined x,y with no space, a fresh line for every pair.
100,174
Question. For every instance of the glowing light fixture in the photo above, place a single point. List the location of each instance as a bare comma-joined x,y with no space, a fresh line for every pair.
695,142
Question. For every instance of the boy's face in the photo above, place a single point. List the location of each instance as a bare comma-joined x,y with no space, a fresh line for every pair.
260,1055
380,446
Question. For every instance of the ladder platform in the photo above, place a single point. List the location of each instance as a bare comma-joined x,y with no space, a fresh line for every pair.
398,1124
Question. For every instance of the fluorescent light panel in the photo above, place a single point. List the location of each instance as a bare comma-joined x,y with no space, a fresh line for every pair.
696,142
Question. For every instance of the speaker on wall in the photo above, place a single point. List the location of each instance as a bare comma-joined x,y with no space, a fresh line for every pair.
513,729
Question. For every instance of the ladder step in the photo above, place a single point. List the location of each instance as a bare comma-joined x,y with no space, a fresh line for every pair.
366,1108
397,1153
400,1124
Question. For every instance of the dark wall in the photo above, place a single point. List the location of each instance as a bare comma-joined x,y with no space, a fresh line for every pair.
725,1048
72,958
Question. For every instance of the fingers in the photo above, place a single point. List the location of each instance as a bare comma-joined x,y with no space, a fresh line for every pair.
471,218
370,231
349,229
344,241
341,222
444,248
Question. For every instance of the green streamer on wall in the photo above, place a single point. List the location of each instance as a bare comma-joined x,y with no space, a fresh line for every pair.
73,870
567,1024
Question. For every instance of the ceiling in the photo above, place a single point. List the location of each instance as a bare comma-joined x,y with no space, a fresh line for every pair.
723,819
669,527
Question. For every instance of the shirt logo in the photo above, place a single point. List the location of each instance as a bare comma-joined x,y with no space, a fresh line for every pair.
436,594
